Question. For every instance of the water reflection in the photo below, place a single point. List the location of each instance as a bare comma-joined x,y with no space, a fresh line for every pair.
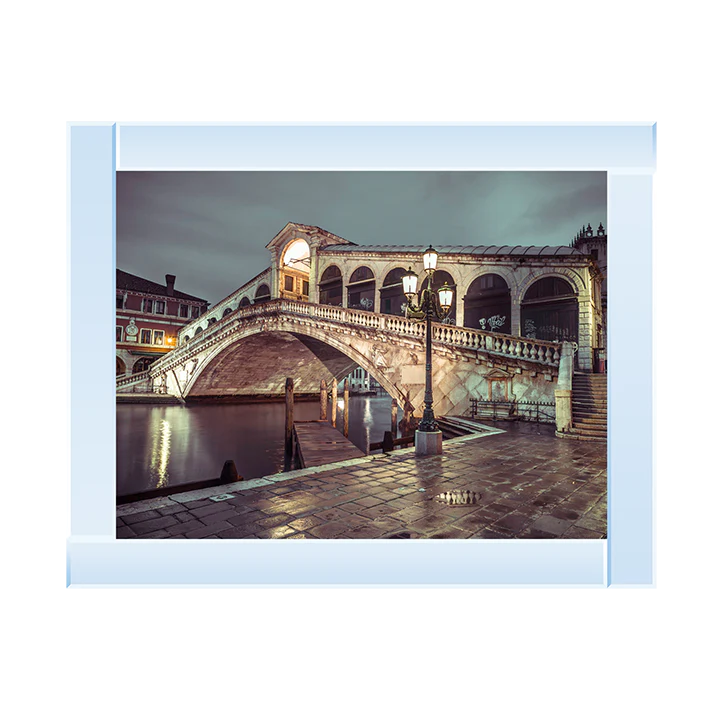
158,446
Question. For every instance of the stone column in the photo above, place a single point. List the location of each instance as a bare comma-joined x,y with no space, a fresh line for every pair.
515,315
459,307
563,392
585,329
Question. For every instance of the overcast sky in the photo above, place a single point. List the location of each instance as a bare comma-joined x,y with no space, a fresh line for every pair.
210,229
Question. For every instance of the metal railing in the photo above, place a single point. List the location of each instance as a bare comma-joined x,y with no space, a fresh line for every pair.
542,412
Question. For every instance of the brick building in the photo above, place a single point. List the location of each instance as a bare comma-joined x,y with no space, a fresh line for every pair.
148,317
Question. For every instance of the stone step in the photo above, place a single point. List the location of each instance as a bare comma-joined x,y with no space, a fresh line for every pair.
591,428
582,437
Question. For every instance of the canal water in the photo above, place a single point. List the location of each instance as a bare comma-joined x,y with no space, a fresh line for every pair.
163,445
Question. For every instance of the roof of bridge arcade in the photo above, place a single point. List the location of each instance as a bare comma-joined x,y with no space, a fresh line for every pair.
465,250
129,282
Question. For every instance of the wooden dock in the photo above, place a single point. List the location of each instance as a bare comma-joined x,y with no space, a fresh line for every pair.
318,442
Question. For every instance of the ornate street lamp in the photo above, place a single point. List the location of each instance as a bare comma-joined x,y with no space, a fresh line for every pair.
428,437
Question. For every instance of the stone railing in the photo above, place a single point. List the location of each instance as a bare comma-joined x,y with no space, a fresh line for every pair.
132,379
545,352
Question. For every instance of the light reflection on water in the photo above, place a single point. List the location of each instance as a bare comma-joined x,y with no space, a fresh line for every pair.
164,445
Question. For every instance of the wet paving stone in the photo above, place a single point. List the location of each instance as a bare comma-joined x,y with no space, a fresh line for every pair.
531,485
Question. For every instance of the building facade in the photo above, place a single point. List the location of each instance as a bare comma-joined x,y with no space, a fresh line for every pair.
148,318
552,293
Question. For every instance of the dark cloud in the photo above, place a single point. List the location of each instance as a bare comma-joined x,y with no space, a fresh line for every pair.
210,229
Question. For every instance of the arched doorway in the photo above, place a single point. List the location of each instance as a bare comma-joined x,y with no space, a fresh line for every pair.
262,294
392,298
360,289
142,364
441,278
488,300
245,301
120,367
331,287
550,310
295,265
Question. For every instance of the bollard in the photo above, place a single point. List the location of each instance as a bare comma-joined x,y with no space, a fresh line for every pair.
387,442
346,407
229,473
323,400
334,385
289,415
394,417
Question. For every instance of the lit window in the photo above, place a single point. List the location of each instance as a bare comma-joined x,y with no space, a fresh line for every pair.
145,336
158,338
289,283
305,288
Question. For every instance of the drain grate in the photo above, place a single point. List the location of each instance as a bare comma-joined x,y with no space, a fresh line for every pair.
459,497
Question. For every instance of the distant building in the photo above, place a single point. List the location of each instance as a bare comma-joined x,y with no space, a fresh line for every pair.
595,245
148,317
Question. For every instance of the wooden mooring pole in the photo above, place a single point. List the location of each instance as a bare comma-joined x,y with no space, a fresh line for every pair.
334,391
289,446
346,407
323,400
394,418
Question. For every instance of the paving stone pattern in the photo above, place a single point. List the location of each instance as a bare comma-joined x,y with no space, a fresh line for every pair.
531,485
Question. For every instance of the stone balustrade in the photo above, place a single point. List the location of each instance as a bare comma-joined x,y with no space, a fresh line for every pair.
545,352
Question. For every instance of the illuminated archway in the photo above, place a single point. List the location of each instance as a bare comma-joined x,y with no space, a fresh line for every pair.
294,276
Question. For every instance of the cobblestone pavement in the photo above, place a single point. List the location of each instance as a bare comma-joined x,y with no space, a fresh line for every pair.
531,485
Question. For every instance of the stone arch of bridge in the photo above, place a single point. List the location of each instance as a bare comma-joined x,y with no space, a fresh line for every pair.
340,344
569,275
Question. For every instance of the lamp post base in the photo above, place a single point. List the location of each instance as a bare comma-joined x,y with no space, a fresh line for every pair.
426,443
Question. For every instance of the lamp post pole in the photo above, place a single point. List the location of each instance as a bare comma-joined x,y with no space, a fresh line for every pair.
428,424
428,437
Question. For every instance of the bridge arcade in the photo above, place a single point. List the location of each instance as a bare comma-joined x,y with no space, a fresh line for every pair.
546,293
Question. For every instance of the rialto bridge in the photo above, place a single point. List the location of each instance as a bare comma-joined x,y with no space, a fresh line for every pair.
326,306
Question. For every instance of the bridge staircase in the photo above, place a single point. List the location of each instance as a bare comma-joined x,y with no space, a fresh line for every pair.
589,408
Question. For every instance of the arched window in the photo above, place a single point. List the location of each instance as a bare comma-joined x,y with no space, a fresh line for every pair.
488,305
441,278
330,287
550,310
199,329
245,301
142,364
186,338
360,290
212,320
393,300
227,311
262,294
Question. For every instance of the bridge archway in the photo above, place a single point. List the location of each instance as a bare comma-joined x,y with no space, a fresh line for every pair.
120,367
550,310
294,271
263,293
256,361
391,295
488,296
331,286
442,277
361,288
